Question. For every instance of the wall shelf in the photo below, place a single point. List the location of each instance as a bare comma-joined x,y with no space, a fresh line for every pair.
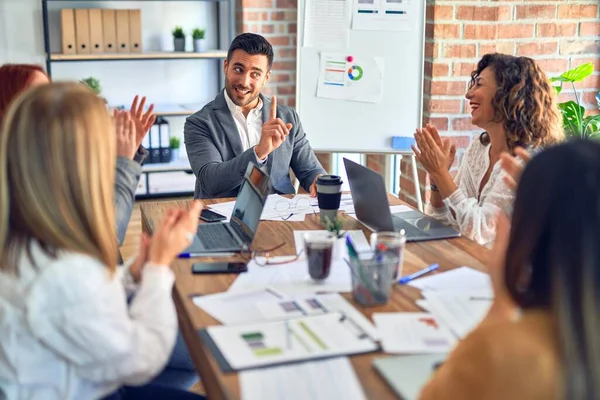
171,178
213,54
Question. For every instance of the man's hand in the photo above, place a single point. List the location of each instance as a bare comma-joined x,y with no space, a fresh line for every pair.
313,187
274,132
143,121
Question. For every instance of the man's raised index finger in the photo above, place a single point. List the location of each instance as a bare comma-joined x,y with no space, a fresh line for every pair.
273,107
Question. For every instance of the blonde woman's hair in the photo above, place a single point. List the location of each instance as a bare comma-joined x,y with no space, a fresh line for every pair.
57,171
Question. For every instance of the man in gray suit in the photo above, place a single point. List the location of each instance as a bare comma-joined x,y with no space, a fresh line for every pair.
241,126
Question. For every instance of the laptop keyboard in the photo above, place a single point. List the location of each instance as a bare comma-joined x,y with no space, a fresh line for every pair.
216,236
409,229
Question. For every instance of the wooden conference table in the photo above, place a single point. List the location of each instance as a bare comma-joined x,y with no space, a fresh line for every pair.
448,254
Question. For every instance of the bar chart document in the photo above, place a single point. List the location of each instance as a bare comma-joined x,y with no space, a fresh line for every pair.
284,342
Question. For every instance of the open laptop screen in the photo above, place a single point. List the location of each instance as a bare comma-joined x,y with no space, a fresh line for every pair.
248,208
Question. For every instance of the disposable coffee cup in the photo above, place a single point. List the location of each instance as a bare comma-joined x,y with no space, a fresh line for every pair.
329,194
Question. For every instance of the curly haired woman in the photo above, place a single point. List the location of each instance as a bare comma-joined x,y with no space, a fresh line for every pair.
512,100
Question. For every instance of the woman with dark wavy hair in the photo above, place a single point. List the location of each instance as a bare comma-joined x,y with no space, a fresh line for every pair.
541,338
512,100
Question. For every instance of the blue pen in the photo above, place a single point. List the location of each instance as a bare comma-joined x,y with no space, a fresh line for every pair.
351,249
417,274
192,255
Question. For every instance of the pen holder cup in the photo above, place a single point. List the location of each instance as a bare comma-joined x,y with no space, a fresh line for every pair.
372,279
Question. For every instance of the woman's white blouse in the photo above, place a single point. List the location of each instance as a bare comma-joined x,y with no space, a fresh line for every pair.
472,214
67,331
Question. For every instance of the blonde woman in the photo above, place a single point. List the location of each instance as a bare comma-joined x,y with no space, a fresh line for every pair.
67,330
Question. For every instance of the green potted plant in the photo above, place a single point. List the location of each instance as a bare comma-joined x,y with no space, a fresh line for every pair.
575,122
335,227
178,38
174,143
93,84
198,36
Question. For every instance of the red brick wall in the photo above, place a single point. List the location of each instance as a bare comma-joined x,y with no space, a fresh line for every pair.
276,21
559,34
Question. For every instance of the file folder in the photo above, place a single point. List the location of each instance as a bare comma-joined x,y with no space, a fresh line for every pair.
82,31
135,31
154,149
96,35
165,141
109,31
123,31
67,31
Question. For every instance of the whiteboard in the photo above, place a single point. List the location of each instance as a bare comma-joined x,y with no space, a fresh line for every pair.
353,126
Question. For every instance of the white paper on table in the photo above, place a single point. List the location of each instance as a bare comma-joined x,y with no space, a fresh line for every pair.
293,278
460,313
327,23
240,307
463,280
361,244
279,342
423,304
333,302
384,15
270,212
328,379
295,209
358,80
413,333
279,208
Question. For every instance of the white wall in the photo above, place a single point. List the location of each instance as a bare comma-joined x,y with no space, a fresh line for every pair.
175,81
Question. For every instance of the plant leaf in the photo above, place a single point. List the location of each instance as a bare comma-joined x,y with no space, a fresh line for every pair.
576,74
558,89
591,125
572,118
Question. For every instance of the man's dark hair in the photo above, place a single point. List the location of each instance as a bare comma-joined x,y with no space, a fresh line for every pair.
252,44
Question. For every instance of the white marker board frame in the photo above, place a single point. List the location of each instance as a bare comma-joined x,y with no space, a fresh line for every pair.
352,126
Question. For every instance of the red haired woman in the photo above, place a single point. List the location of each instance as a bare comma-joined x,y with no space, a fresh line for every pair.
14,78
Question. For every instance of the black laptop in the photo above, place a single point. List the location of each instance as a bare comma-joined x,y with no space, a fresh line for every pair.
372,208
236,235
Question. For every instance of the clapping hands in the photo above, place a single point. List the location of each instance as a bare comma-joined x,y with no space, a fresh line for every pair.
175,233
132,126
431,151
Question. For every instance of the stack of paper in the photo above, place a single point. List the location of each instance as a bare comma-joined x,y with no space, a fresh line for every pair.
459,298
459,312
316,380
413,333
459,280
239,347
270,304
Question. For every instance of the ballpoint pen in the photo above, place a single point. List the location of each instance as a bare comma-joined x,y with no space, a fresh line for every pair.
417,274
192,255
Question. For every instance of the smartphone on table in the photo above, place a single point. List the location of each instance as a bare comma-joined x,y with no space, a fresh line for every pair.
219,267
211,216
